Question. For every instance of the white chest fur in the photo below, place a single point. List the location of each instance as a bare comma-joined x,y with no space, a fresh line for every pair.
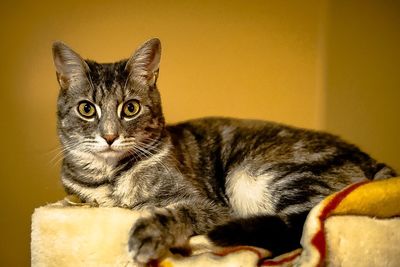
132,184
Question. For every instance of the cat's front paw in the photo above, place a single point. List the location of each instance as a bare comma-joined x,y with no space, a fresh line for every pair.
149,240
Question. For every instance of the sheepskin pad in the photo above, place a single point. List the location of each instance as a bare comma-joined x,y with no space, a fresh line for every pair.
358,226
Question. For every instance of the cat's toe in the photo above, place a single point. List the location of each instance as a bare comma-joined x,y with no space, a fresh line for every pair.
148,240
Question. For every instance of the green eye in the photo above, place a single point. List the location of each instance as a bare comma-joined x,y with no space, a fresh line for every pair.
86,109
130,109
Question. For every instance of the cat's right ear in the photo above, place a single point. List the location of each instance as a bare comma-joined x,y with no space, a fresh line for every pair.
70,67
143,65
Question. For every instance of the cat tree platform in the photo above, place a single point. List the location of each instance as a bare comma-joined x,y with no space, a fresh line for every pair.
65,235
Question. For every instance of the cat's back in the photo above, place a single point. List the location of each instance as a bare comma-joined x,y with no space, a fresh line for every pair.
238,140
249,139
222,125
226,130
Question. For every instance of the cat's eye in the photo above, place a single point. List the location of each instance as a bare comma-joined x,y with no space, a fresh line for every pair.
86,109
130,109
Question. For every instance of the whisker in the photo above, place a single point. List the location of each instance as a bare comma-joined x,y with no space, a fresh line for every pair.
69,146
59,156
157,160
173,159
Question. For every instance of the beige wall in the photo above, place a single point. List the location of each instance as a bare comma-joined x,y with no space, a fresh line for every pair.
363,75
250,59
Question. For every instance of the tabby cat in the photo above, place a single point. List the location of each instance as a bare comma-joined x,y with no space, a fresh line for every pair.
245,182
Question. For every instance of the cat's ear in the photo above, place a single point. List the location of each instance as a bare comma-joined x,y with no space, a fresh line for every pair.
70,67
143,65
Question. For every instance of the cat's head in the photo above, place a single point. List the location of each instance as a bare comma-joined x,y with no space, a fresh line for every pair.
109,110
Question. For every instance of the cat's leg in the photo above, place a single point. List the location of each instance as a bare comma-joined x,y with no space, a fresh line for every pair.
152,236
267,231
271,209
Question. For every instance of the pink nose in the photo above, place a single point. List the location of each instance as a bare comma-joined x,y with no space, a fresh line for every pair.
110,138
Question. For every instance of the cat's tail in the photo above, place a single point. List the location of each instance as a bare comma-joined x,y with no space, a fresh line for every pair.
270,232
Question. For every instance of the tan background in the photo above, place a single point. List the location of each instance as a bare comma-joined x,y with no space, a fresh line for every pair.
331,65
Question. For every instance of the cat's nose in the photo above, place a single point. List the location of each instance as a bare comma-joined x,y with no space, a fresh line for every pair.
110,138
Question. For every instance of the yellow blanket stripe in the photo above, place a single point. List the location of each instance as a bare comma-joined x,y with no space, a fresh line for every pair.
380,198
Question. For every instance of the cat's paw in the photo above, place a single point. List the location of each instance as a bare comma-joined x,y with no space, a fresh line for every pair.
149,239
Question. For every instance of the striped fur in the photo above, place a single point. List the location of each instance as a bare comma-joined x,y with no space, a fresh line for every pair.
225,177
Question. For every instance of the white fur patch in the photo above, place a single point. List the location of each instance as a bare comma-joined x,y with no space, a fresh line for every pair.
92,163
98,110
248,194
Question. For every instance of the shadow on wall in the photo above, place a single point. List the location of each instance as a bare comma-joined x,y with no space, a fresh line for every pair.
363,76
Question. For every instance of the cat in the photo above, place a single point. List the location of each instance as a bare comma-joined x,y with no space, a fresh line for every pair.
241,182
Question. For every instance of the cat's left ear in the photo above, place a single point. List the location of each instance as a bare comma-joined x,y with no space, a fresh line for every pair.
144,64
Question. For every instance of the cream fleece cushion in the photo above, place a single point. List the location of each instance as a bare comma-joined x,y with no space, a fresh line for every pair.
81,236
84,236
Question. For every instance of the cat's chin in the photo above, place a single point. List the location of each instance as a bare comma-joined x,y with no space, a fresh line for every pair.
110,154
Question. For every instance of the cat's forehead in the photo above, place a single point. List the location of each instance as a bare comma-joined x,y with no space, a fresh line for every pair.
107,73
107,79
